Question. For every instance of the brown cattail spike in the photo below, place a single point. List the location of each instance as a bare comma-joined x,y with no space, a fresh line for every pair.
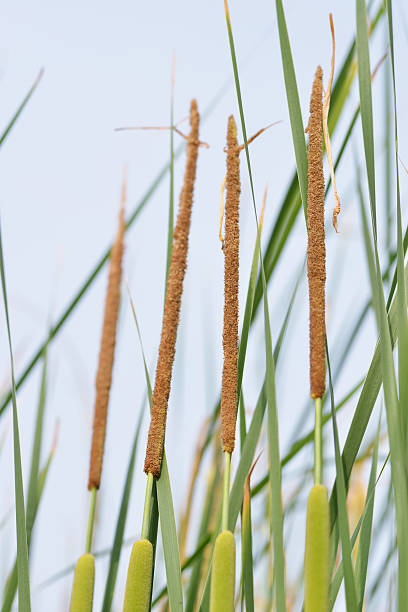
231,275
107,350
178,263
316,252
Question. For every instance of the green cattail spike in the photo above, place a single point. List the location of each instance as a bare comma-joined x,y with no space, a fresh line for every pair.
83,585
317,562
223,574
139,578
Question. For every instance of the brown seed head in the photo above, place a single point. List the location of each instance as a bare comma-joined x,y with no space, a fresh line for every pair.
107,350
178,264
316,252
231,277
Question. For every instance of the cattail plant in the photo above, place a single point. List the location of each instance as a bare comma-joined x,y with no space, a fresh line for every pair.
317,523
137,586
223,572
178,264
82,590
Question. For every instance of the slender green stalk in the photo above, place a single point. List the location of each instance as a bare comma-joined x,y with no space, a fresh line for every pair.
147,505
226,491
91,521
318,450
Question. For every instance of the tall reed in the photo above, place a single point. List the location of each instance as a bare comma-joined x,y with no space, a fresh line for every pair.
82,590
317,522
177,268
316,251
223,571
107,351
138,583
231,281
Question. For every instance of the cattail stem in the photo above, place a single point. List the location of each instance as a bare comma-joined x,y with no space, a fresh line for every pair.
226,491
91,521
229,389
172,303
316,251
318,442
147,506
107,351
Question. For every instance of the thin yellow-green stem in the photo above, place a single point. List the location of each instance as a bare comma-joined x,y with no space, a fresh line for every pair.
318,458
226,490
91,520
147,506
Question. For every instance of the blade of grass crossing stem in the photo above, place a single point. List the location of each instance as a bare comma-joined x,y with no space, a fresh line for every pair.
401,290
364,80
166,516
349,579
388,158
246,550
187,563
169,539
242,421
398,469
273,432
121,521
20,109
24,600
367,526
368,249
275,476
249,304
32,494
292,95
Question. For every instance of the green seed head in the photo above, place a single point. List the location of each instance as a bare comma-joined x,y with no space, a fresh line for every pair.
139,577
223,574
317,551
83,586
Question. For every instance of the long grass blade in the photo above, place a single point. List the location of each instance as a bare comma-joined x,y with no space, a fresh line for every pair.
33,496
401,289
12,581
24,600
20,109
367,525
292,96
246,549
